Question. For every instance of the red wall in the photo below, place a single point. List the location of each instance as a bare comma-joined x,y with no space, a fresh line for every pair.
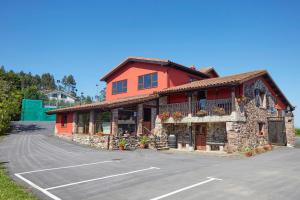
218,93
167,77
67,130
177,98
178,77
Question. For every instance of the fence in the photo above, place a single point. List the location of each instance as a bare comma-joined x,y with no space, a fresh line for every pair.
34,110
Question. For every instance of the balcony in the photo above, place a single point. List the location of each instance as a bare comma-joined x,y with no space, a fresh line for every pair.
211,110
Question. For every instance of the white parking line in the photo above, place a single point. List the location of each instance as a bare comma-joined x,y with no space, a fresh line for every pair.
210,179
38,187
66,167
101,178
52,196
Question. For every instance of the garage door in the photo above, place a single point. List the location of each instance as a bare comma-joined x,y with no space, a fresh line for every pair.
276,130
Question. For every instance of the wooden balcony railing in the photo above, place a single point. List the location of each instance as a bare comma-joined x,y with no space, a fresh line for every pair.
200,108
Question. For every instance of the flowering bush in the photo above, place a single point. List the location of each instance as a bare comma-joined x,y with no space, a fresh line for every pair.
177,116
164,116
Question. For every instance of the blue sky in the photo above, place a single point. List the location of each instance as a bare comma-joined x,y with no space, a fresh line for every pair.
88,38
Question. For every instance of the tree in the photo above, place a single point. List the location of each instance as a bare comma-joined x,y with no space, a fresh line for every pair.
32,92
47,82
102,95
69,84
10,101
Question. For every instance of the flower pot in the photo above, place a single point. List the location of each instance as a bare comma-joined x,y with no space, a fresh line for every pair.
121,148
249,154
142,146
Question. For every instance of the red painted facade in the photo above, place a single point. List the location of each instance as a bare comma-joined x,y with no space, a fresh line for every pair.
167,77
68,127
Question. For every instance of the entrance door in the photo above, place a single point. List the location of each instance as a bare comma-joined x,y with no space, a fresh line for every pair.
200,134
147,121
276,130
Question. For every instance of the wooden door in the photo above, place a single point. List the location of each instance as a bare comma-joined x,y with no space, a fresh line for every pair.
200,133
147,120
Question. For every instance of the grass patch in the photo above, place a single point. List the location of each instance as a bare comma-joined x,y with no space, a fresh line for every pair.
9,190
297,131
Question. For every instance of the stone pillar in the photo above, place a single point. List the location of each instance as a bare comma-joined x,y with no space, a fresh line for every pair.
290,131
139,119
190,146
232,129
114,121
92,123
75,122
55,130
153,117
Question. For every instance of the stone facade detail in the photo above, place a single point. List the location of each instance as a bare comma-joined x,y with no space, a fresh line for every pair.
75,123
139,119
216,132
92,122
100,142
290,130
242,134
114,122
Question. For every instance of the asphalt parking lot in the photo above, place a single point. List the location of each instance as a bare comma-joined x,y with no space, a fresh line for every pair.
56,169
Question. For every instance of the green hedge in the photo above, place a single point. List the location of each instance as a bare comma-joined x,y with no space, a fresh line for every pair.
297,130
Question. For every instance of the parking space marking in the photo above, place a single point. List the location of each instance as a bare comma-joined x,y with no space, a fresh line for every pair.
70,166
101,178
210,179
52,196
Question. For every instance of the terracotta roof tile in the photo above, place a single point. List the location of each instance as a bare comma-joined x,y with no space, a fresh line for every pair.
107,104
163,62
215,82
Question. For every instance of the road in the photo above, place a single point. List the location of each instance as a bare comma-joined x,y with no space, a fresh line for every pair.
56,169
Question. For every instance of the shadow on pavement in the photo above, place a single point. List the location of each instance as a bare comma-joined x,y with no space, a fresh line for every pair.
17,128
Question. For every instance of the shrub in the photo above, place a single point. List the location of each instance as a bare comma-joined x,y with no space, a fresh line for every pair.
122,142
144,139
297,131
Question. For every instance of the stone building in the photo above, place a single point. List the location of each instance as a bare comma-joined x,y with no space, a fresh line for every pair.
198,108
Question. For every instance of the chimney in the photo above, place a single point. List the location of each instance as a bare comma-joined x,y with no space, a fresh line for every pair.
193,67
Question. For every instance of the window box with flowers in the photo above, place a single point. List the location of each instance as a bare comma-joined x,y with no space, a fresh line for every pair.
201,113
177,116
164,116
218,111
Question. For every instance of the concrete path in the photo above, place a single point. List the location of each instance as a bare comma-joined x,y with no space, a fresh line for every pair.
56,169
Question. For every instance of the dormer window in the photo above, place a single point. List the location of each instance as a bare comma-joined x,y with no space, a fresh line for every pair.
147,81
119,87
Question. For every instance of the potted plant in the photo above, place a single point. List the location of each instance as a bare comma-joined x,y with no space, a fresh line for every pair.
248,152
164,116
201,113
122,143
144,142
177,116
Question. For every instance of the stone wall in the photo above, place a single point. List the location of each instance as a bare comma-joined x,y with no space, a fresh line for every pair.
290,130
216,132
246,134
